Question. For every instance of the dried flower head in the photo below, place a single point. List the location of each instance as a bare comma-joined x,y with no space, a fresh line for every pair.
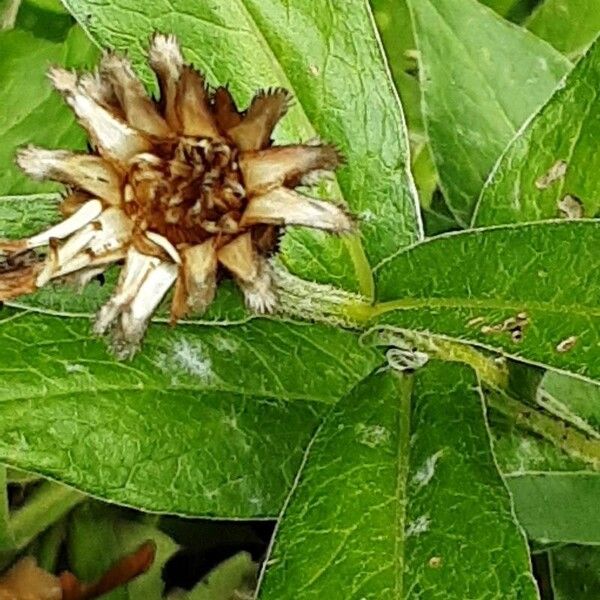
181,191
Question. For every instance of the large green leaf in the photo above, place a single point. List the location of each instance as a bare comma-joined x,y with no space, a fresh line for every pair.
467,286
399,497
31,112
569,25
183,428
481,78
343,90
552,167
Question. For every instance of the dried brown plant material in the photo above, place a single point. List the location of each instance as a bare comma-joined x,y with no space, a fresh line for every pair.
515,326
183,191
555,173
571,207
27,581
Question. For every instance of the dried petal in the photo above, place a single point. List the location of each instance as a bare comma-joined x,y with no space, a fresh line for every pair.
91,173
136,269
19,281
101,90
225,110
197,282
87,213
255,129
285,165
165,244
112,136
282,206
26,581
167,62
251,273
99,244
192,106
138,108
136,316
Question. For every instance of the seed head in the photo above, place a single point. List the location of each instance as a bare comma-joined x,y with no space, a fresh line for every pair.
182,191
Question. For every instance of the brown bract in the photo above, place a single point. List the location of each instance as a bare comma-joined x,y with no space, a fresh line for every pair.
182,191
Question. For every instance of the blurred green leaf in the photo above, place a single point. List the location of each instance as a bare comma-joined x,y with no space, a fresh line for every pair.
481,78
576,573
6,537
569,25
227,581
558,507
574,400
8,13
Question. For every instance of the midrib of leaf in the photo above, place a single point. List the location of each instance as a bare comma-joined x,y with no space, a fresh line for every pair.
365,312
160,390
403,462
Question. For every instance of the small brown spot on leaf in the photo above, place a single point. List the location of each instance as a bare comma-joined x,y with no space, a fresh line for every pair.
475,321
566,344
435,562
556,172
571,207
513,325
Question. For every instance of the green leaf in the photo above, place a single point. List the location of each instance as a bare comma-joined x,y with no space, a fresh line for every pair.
99,536
313,50
502,7
569,25
182,428
6,537
554,493
481,78
227,581
391,481
574,400
519,452
466,286
558,507
551,168
576,573
393,21
31,112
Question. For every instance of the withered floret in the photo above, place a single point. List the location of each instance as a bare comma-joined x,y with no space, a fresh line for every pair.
182,191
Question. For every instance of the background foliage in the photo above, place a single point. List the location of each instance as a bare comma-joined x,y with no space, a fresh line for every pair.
470,164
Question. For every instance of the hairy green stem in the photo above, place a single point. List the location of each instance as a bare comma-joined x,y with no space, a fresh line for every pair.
560,433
